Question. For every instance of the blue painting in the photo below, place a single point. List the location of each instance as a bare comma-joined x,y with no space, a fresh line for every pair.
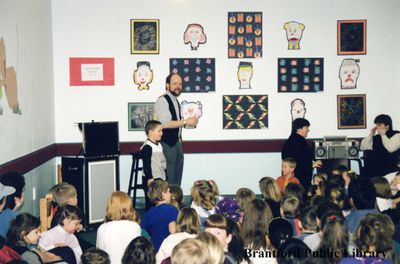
300,75
198,75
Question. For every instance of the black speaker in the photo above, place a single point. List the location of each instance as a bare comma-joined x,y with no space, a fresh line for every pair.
94,180
72,171
100,139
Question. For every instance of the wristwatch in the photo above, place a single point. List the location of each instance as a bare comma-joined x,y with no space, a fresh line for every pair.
184,122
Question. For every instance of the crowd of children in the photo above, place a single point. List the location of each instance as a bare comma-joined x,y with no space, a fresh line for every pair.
340,218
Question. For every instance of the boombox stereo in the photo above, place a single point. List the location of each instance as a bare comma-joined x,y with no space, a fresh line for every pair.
336,148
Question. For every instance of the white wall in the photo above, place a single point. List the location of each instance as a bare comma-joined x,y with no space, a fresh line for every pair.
26,28
83,28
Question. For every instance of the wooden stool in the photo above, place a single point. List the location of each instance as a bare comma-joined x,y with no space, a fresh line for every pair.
134,185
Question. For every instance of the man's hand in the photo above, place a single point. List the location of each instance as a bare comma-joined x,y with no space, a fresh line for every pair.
316,163
192,121
373,131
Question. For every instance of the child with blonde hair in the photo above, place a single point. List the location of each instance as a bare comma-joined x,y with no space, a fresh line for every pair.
191,250
187,226
244,196
214,247
288,167
120,227
203,200
272,194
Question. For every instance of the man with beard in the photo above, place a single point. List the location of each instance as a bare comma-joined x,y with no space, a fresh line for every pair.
167,111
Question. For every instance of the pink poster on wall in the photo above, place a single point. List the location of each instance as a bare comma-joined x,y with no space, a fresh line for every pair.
91,71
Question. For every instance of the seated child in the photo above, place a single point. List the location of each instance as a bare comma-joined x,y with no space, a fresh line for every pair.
13,201
139,251
272,194
6,216
160,220
120,227
319,177
23,237
383,194
203,200
187,226
244,196
68,219
288,167
290,208
176,196
95,256
154,162
307,222
63,193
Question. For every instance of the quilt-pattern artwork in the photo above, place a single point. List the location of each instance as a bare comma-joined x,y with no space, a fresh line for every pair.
300,75
351,110
198,75
244,34
245,111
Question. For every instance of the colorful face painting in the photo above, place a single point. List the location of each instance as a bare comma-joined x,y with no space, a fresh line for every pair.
303,75
143,75
294,32
348,73
245,74
194,35
191,109
245,111
297,108
8,80
244,34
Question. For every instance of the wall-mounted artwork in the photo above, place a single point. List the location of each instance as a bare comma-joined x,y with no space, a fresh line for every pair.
348,73
244,34
352,37
139,114
191,109
91,71
300,75
8,80
198,75
145,36
194,35
245,111
143,75
245,74
298,108
351,111
294,32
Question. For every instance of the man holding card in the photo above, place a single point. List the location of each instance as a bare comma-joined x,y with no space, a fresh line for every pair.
167,111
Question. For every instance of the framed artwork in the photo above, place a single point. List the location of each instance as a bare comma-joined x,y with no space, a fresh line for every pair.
91,71
145,36
245,111
352,37
244,34
198,75
300,75
351,111
139,114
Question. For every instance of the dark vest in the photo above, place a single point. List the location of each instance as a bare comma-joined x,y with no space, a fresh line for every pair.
379,161
171,135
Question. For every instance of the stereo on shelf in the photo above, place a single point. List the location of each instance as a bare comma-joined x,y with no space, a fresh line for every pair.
336,147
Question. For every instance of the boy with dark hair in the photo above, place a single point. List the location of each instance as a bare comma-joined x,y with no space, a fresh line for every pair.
362,200
95,256
154,162
160,220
